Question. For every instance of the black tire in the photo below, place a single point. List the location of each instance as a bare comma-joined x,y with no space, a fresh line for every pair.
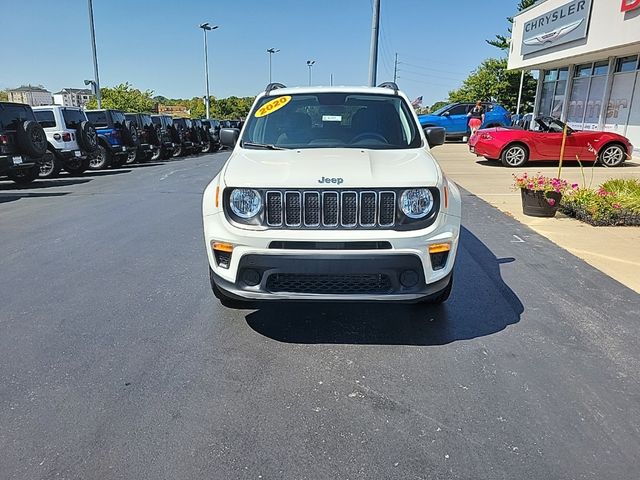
612,155
87,137
177,151
24,176
49,165
129,134
224,299
101,159
156,154
440,297
166,154
207,148
514,155
31,138
132,157
154,137
76,166
117,161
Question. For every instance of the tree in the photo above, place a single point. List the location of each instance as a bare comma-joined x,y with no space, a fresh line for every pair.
501,41
437,105
4,96
126,98
492,81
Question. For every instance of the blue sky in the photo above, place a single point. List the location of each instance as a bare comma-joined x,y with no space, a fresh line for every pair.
156,45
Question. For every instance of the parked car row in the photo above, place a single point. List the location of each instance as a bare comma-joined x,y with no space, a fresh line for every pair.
42,141
453,118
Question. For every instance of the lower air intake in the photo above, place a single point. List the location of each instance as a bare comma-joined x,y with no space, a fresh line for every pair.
347,284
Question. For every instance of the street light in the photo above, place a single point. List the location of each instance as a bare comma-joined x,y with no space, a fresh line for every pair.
271,51
96,81
310,64
205,28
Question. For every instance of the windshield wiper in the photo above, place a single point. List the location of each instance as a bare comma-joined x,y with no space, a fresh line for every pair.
267,146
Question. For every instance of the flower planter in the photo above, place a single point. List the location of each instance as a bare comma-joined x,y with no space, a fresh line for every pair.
536,203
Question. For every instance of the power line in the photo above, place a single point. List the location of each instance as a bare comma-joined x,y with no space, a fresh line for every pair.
430,75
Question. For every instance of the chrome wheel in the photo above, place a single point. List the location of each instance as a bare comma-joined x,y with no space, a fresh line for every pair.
514,156
612,156
156,154
47,165
131,157
99,160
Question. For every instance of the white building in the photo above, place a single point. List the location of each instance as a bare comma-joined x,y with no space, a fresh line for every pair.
72,97
588,55
30,95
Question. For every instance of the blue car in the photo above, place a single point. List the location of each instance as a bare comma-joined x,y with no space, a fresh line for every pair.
117,138
453,118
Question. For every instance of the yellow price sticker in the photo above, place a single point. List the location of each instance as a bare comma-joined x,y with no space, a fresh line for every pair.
272,106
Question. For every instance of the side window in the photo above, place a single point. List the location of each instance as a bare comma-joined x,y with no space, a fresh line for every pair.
45,118
487,107
459,109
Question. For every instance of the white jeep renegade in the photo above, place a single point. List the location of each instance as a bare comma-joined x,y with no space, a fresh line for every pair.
331,193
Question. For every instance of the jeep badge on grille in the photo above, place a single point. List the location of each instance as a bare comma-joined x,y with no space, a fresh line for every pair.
338,180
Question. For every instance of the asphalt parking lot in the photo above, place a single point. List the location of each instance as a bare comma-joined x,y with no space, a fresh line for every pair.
116,361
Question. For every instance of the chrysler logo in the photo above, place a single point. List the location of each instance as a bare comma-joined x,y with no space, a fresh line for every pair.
553,35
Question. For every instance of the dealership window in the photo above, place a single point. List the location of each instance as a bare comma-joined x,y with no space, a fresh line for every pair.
627,64
587,93
619,106
554,86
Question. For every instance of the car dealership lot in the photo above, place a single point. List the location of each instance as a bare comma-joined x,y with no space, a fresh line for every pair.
117,362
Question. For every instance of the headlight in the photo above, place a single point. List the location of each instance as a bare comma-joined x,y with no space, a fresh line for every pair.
245,202
416,202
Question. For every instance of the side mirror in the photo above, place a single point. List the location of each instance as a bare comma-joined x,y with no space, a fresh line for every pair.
435,136
446,114
229,137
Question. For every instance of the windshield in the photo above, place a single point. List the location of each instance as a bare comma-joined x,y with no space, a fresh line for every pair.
332,120
440,110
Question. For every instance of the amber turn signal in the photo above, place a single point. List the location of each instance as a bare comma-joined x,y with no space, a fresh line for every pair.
439,247
222,247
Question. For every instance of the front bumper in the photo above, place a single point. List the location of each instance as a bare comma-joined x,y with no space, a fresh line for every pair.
259,267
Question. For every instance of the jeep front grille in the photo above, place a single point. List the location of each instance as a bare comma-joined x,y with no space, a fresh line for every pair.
330,209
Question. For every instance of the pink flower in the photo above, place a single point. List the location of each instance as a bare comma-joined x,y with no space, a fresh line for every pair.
551,201
617,205
574,186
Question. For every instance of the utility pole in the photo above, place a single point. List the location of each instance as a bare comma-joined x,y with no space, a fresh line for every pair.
331,80
395,70
373,56
96,77
271,51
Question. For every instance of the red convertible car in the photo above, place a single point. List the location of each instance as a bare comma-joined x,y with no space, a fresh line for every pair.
514,146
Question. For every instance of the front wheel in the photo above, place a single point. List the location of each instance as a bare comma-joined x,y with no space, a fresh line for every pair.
131,157
515,155
612,156
177,152
50,166
156,154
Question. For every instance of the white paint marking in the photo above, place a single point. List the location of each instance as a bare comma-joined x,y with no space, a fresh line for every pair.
517,239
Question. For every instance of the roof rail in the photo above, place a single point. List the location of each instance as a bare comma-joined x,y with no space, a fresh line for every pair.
391,85
273,86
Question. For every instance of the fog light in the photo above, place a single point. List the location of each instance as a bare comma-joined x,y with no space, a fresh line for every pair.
409,278
251,277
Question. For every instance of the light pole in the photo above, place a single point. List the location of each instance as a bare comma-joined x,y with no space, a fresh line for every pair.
310,64
271,51
205,28
96,79
373,54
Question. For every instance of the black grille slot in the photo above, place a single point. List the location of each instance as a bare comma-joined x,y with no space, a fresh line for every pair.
330,209
274,208
349,209
367,209
335,284
387,208
366,245
292,209
311,209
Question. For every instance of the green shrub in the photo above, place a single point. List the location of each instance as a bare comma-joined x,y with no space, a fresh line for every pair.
615,202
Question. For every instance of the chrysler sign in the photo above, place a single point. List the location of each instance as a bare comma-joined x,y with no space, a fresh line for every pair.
562,25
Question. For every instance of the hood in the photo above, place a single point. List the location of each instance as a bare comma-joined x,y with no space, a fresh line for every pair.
331,168
429,118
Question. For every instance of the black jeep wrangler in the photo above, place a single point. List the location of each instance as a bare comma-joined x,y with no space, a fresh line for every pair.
148,138
212,127
167,134
23,143
116,138
200,137
184,139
